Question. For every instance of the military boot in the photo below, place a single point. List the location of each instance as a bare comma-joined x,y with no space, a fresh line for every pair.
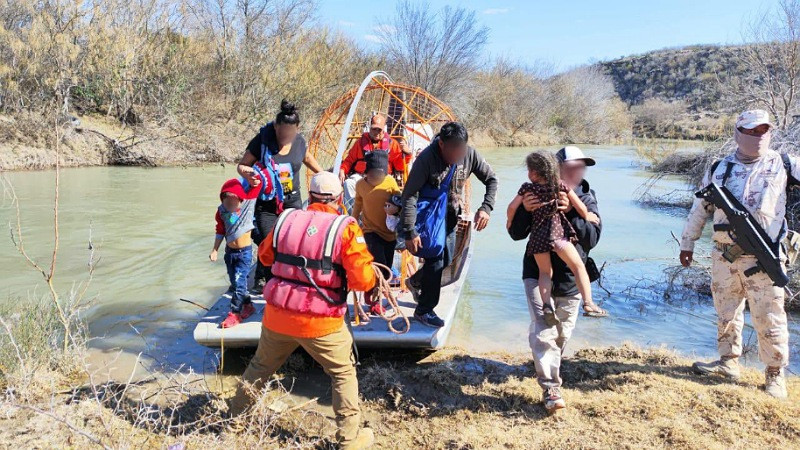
727,367
364,439
775,383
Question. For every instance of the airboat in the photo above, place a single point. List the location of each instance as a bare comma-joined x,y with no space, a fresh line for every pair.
415,116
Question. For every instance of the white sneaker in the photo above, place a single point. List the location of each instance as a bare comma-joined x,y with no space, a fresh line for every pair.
552,400
727,367
775,383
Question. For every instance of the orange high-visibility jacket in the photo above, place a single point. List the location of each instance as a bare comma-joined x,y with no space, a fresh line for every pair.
354,161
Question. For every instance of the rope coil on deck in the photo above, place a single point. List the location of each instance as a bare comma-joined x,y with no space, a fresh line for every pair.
384,290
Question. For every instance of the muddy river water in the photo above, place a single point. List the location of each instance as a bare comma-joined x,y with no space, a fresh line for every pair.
152,230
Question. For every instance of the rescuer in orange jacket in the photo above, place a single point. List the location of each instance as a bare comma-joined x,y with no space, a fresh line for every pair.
316,256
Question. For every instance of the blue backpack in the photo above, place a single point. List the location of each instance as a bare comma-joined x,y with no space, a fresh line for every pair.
267,168
432,217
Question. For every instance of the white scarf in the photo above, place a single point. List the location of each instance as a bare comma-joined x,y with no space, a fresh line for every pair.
751,148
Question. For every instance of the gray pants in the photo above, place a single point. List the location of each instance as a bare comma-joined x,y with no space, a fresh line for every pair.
548,343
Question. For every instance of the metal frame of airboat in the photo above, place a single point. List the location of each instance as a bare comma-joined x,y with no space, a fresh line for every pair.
376,334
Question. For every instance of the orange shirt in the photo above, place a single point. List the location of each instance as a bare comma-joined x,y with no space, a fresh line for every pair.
354,161
357,263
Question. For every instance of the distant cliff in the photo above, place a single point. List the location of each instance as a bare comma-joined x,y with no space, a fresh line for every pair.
693,74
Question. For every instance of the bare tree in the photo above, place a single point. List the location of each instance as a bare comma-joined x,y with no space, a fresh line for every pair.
658,116
772,76
507,100
435,51
585,106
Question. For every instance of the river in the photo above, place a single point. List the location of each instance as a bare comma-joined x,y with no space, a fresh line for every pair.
152,230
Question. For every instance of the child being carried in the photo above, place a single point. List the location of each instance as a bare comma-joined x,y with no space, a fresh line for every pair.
550,229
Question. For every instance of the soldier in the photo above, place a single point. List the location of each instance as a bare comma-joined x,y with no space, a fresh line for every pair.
758,178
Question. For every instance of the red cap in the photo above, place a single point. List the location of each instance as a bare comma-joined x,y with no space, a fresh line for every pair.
234,186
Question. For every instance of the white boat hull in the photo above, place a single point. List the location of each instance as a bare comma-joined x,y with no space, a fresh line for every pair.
374,334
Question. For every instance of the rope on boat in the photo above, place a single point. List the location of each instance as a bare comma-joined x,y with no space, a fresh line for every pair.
385,291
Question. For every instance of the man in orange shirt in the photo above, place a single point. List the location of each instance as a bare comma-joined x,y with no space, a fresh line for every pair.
376,139
316,256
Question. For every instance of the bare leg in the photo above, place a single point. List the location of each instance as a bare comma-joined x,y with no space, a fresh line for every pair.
569,254
546,287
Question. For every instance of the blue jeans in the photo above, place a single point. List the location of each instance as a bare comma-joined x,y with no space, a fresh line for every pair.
238,262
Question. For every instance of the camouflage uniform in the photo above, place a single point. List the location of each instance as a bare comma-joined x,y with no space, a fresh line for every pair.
761,188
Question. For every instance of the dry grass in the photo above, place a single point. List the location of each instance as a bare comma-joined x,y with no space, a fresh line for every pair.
622,397
664,156
618,398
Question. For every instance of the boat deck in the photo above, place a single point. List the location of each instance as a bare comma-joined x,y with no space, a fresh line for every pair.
373,334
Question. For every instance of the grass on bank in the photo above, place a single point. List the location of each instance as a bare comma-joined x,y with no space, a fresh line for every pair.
623,397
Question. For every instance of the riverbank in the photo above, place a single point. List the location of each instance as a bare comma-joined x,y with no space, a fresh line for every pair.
28,142
643,398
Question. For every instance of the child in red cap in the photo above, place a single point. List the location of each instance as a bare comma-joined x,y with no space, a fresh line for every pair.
235,223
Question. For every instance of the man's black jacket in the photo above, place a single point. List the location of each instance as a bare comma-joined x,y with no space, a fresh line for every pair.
588,235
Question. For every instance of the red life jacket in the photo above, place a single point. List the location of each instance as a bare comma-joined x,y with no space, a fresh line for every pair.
365,144
308,273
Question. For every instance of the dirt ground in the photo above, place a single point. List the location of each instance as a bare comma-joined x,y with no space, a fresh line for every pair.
621,397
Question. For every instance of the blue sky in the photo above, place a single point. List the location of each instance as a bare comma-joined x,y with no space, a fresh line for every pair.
570,33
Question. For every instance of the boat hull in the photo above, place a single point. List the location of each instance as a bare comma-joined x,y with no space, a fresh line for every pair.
374,334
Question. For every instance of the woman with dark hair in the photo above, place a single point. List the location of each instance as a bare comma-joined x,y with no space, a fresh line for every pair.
280,140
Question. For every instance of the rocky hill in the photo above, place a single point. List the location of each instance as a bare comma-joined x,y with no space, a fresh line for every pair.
695,75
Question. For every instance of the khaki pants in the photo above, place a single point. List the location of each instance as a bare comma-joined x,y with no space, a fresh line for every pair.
333,352
730,288
548,343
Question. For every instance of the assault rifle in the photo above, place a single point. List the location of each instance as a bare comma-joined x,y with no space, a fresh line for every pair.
747,233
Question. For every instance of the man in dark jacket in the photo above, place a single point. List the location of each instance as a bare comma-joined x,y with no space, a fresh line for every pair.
547,343
431,168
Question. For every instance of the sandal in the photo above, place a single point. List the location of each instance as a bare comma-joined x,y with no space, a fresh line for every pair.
592,310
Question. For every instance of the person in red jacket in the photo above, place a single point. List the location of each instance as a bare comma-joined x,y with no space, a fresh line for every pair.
316,255
376,139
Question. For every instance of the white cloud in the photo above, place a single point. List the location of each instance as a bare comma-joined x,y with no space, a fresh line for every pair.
345,23
495,11
385,29
372,38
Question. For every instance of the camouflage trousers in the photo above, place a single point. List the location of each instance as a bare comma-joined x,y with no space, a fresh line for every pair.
730,288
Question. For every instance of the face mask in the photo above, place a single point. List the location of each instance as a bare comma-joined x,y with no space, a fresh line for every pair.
392,222
752,146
